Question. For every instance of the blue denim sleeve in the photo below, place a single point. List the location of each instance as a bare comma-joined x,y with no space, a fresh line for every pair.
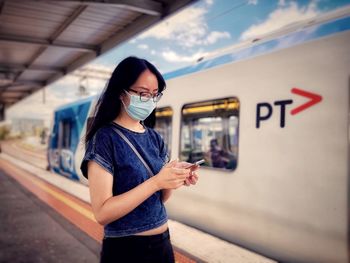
99,150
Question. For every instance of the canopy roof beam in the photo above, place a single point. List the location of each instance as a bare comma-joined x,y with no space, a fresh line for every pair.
47,43
19,67
147,7
75,14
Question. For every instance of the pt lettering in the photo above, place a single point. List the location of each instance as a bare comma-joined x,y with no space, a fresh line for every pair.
264,111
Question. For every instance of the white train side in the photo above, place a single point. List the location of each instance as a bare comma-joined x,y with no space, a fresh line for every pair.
288,196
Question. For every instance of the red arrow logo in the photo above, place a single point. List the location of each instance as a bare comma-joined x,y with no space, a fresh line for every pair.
314,98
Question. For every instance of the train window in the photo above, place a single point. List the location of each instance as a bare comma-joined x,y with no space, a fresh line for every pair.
65,129
163,125
209,131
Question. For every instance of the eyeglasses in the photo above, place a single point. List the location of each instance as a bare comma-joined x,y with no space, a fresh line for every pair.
146,96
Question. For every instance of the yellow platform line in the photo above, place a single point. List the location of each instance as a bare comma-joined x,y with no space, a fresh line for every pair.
85,212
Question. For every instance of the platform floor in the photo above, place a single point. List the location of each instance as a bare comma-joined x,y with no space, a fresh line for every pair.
31,231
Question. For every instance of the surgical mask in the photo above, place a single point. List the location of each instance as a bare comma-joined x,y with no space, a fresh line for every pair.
137,109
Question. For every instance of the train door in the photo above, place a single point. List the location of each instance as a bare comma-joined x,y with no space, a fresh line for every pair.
66,158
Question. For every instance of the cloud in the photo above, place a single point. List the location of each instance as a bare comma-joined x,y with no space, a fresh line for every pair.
284,15
215,36
186,29
172,56
143,46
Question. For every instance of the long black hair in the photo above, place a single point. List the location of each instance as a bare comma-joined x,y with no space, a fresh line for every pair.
109,103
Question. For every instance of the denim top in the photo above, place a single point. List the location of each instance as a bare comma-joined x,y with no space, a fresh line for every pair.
114,155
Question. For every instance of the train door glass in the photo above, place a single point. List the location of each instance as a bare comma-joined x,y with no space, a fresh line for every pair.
163,125
210,131
65,129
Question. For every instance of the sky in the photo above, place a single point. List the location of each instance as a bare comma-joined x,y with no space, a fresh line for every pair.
197,31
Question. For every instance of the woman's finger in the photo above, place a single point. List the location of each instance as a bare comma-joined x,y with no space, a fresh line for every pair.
180,171
194,168
193,180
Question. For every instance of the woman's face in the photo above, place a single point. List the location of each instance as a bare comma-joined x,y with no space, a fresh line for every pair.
146,83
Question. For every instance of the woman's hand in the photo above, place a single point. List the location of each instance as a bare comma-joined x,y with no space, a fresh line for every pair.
193,176
171,176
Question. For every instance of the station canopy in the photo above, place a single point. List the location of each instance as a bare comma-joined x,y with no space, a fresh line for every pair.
43,40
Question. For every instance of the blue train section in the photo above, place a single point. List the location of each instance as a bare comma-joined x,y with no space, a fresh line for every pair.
68,124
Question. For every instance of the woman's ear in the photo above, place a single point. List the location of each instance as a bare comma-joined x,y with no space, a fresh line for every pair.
123,98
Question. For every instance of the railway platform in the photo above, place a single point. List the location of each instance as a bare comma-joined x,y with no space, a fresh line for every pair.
31,231
47,218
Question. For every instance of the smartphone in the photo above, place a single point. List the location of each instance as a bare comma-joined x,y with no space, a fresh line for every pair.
196,163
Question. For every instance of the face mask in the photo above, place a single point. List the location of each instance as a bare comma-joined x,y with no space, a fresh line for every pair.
137,109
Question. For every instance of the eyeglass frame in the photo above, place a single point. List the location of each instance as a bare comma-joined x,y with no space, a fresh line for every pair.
155,98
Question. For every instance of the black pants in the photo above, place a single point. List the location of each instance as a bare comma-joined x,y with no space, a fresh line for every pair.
140,249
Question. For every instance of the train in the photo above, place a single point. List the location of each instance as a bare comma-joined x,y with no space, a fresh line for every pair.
271,120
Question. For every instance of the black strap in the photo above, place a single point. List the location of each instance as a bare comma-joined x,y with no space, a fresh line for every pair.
134,149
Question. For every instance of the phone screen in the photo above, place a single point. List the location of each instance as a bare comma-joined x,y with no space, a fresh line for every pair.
196,163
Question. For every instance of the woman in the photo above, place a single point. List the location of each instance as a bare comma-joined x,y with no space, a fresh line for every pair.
126,197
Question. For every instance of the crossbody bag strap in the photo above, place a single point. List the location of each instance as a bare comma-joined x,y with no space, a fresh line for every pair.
134,149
